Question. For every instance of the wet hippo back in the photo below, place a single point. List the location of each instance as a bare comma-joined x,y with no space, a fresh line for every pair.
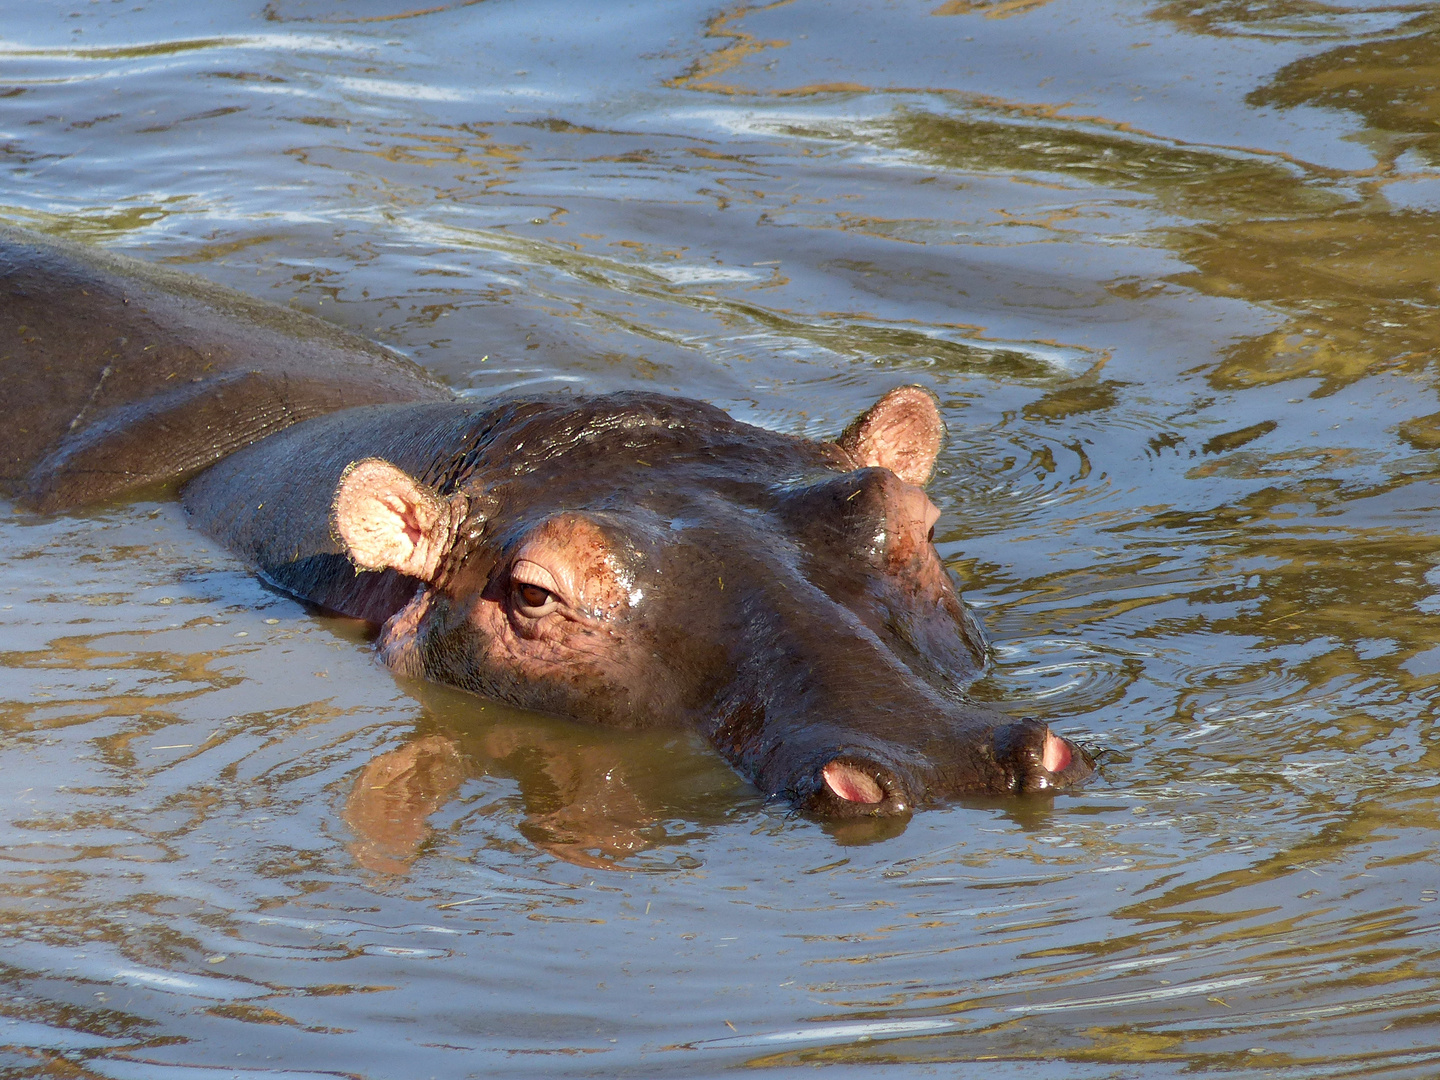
271,503
117,373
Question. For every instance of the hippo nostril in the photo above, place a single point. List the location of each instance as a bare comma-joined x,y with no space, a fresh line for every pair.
1056,755
1037,759
852,784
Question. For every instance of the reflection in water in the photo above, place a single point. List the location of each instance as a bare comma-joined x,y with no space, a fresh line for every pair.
991,9
357,11
591,798
1302,20
392,797
1169,268
1388,81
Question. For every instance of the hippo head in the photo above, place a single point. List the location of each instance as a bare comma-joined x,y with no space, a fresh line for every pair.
640,560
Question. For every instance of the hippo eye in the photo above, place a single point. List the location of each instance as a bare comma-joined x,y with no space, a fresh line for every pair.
532,596
533,589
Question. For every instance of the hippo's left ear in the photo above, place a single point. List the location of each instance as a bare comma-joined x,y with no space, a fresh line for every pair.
386,518
901,432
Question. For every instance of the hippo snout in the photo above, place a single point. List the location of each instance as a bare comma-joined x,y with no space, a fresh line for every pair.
1023,756
1037,759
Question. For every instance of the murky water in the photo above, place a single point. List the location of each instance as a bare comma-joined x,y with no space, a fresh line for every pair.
1171,267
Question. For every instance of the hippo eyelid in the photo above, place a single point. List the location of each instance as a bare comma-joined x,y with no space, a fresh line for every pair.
527,572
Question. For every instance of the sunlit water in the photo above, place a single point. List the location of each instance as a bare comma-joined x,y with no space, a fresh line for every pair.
1172,269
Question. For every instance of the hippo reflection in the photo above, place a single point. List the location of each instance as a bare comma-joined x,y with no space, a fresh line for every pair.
634,560
592,797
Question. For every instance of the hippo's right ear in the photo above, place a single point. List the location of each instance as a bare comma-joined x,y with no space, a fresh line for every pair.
386,518
902,432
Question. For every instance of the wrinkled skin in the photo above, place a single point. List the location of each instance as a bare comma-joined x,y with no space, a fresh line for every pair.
635,560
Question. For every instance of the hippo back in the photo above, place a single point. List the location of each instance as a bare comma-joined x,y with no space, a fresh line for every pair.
118,374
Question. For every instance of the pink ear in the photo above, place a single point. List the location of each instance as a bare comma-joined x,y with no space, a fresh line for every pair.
387,519
901,432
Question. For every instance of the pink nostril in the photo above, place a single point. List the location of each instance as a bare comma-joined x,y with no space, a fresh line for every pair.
1056,755
853,785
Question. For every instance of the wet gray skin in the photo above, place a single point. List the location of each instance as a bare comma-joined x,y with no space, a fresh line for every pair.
633,560
118,373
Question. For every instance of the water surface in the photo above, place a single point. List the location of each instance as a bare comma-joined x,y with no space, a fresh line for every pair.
1171,269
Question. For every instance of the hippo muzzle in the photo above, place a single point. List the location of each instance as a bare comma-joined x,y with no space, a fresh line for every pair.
1019,757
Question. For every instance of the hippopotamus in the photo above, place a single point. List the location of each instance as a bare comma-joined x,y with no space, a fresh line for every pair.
633,559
